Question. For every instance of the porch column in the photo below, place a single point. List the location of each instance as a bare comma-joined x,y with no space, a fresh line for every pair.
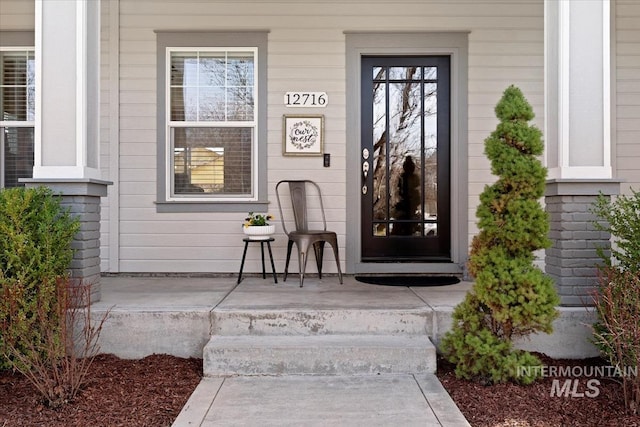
578,138
66,152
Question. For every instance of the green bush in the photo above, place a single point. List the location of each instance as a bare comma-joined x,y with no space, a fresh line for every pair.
511,297
622,220
35,253
617,302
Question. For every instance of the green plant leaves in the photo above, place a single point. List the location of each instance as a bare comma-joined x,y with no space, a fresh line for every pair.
511,297
35,251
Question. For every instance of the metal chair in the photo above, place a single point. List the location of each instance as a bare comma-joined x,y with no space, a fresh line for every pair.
301,193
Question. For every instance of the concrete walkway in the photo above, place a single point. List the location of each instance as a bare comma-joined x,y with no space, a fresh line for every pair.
381,400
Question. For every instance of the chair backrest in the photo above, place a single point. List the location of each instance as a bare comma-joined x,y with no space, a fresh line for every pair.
299,198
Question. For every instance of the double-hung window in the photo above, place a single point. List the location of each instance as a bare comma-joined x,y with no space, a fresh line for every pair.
212,131
212,123
17,114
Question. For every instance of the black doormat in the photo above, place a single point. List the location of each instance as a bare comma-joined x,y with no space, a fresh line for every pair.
408,280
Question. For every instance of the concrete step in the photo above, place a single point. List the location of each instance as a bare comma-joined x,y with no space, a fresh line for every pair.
417,321
319,355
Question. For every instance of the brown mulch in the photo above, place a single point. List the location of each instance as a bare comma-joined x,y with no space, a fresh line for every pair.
153,390
511,405
146,392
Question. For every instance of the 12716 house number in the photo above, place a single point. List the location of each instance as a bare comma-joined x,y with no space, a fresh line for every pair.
306,99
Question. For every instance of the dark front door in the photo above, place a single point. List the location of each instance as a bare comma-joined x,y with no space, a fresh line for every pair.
405,158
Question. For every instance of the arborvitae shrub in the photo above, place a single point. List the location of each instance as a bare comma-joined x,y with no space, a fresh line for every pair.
35,253
511,297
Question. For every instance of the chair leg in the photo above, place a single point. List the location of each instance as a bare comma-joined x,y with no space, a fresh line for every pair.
302,262
303,254
318,248
335,253
286,265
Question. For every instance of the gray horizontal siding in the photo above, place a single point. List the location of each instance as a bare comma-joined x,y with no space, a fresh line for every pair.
306,52
627,93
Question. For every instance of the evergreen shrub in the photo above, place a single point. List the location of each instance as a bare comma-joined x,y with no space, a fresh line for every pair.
35,252
511,297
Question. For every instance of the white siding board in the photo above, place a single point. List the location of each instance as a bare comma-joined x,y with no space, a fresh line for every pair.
137,188
133,162
630,124
630,61
175,240
136,110
138,84
628,112
139,97
190,253
17,15
138,175
353,9
517,35
627,36
141,72
137,136
138,122
137,148
630,99
215,266
138,201
509,61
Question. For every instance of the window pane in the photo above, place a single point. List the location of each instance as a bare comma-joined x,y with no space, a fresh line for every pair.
211,69
240,103
211,104
212,161
240,69
212,86
181,63
17,147
17,86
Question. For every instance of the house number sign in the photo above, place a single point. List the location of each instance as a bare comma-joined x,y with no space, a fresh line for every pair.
306,99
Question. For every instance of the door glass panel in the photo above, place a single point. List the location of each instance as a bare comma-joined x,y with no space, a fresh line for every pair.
430,169
379,158
404,156
430,73
397,190
379,73
379,229
405,73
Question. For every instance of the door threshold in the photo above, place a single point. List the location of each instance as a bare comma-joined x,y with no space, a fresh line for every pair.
408,268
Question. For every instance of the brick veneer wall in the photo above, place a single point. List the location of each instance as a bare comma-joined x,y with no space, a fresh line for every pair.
572,259
82,198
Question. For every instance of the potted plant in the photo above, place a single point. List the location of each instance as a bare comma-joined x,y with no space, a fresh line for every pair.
256,226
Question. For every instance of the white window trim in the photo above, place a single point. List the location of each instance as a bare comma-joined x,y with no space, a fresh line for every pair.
14,123
169,124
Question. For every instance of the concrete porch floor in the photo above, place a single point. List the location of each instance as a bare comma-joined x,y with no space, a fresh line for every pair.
177,315
158,310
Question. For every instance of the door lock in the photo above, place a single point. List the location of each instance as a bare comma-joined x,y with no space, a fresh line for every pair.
365,169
